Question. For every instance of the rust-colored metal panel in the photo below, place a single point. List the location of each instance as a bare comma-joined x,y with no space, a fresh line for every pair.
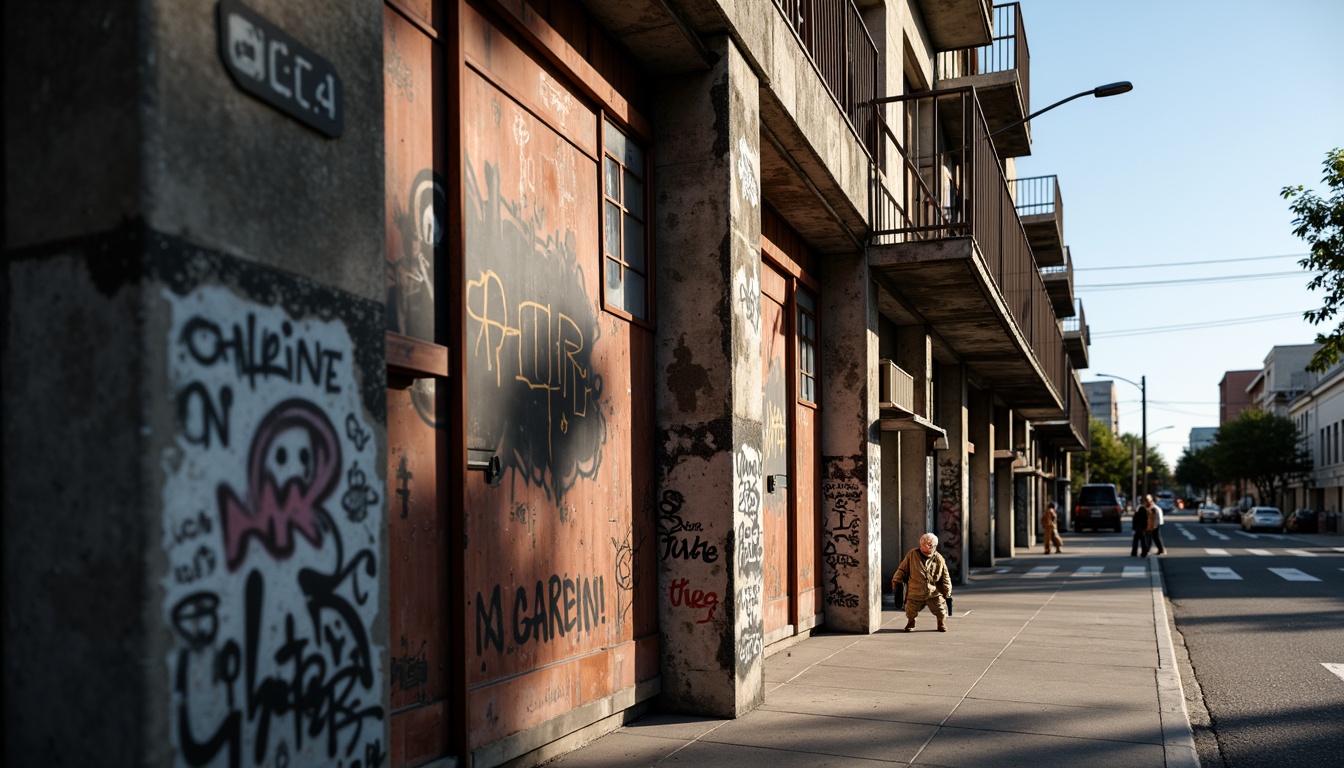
554,563
417,523
416,201
777,368
430,13
807,515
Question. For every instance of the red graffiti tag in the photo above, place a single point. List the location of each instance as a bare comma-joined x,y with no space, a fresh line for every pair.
293,467
693,598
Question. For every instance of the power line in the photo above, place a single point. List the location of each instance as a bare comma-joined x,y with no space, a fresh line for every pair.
1191,326
1193,263
1189,280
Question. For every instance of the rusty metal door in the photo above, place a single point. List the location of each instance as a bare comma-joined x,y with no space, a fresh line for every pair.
424,681
776,367
806,449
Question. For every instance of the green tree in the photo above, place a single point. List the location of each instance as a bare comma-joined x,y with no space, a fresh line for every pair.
1108,461
1262,448
1319,220
1159,474
1195,469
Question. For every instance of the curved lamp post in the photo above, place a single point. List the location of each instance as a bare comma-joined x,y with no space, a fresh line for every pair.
1142,384
1101,92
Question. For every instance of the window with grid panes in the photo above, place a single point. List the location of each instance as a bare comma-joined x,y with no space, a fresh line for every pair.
807,345
625,255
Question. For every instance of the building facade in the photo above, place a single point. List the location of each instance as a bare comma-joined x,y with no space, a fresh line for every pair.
457,380
1102,404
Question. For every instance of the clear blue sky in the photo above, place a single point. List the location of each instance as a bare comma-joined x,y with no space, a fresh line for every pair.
1232,101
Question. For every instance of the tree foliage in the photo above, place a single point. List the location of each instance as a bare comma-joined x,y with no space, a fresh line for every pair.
1319,220
1111,459
1262,448
1196,469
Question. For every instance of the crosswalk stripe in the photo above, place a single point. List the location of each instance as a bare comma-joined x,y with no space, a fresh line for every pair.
1300,552
1338,669
1261,552
1216,551
1138,571
1041,571
1088,570
1221,573
1338,549
1219,535
1292,574
1247,535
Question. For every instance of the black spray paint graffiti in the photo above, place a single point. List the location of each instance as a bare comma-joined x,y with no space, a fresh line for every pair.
949,512
672,530
404,477
531,335
323,680
410,671
627,578
410,277
359,497
841,547
558,606
750,555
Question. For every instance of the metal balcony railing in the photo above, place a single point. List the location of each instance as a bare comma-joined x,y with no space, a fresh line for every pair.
1060,269
1077,323
1038,196
954,187
1008,51
837,41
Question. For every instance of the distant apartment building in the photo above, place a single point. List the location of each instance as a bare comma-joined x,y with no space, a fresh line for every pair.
1233,397
1202,437
1102,404
1283,377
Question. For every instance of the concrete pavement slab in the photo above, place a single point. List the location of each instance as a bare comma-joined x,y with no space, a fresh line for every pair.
826,734
930,709
971,748
1059,720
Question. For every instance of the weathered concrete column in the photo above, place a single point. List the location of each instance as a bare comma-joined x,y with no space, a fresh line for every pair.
1027,487
980,426
953,484
193,392
1003,485
708,385
850,448
891,471
914,349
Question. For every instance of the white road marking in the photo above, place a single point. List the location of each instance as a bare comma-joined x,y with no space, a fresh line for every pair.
1247,535
983,571
1221,573
1185,533
1338,669
1261,552
1300,552
1292,574
1217,551
1088,570
1041,571
1219,535
1138,571
1338,549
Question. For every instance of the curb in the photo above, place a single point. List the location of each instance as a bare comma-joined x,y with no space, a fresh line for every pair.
1178,737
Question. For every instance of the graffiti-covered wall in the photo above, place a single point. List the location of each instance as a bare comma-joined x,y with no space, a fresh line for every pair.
272,531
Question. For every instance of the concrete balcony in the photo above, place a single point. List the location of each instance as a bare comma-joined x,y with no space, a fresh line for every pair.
1000,72
1041,209
1077,338
948,251
957,23
1059,286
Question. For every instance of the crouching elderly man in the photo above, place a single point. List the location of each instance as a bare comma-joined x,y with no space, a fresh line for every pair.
927,582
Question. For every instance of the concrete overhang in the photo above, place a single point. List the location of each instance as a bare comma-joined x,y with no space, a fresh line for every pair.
947,283
1002,102
1060,433
1045,233
957,23
655,34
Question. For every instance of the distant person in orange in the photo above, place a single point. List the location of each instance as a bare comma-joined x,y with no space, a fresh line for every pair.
1050,527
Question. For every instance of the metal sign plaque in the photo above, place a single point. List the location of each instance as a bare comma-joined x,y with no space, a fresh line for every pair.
269,64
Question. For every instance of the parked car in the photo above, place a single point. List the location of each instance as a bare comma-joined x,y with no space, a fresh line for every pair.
1208,513
1166,501
1262,517
1230,514
1097,506
1301,521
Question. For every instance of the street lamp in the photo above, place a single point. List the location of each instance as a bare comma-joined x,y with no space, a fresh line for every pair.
1142,384
1101,92
1145,458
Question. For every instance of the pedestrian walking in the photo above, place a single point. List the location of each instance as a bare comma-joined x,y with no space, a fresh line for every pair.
1140,525
927,582
1155,529
1050,529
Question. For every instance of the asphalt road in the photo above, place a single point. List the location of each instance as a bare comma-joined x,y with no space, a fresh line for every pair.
1261,617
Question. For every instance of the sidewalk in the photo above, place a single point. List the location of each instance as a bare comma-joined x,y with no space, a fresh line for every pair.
1057,669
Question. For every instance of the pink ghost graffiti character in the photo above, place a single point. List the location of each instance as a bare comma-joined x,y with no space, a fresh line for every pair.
293,467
